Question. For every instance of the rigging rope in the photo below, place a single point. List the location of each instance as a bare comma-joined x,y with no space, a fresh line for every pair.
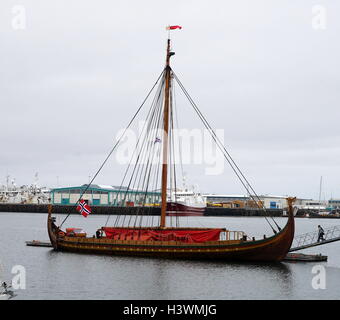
147,153
225,153
147,125
114,147
146,171
172,144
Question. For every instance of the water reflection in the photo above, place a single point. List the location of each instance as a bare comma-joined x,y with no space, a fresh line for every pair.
227,279
62,275
145,278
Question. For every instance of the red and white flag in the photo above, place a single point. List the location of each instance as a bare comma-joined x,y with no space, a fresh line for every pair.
83,208
173,27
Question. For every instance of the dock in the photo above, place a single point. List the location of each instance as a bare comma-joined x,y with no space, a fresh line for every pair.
305,257
113,210
37,243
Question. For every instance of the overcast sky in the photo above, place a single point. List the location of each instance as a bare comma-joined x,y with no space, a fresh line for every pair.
266,72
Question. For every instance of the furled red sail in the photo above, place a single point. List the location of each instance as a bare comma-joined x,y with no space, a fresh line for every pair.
189,236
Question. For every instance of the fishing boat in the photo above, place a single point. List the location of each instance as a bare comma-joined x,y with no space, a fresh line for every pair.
166,239
26,194
185,202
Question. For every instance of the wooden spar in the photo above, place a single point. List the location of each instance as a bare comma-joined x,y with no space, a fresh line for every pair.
165,136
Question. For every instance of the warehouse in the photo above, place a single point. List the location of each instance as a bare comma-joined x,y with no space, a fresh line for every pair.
226,201
99,195
246,201
274,202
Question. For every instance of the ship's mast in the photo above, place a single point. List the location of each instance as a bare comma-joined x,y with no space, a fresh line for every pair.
165,134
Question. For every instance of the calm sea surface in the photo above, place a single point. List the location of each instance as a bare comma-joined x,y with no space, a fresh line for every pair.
58,275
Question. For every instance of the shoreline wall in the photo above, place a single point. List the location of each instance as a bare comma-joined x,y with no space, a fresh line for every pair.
105,210
156,211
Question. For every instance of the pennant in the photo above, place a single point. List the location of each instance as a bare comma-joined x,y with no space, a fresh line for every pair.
83,208
173,27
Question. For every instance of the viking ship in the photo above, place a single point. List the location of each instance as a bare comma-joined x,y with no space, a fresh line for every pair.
166,239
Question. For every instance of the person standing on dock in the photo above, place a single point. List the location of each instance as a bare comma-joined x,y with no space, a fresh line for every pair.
321,234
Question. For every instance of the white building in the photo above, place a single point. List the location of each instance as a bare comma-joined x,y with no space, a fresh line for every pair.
269,201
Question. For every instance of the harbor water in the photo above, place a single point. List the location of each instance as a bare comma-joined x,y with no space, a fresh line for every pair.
59,275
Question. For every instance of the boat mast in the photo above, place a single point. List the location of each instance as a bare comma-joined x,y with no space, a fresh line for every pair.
165,134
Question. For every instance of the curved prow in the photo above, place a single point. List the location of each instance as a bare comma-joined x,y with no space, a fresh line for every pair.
289,230
52,228
278,245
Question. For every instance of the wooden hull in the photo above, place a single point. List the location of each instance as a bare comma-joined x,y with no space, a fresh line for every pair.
274,248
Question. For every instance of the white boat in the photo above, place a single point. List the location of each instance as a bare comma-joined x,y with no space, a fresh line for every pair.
11,193
185,202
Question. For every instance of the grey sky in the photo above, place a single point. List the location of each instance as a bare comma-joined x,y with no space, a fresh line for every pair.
257,69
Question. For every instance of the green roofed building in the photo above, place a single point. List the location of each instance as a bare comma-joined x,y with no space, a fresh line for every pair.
99,195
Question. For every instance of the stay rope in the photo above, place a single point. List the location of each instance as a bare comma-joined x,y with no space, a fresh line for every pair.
226,154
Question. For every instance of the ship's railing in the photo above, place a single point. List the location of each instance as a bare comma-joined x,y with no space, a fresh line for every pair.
232,235
310,238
